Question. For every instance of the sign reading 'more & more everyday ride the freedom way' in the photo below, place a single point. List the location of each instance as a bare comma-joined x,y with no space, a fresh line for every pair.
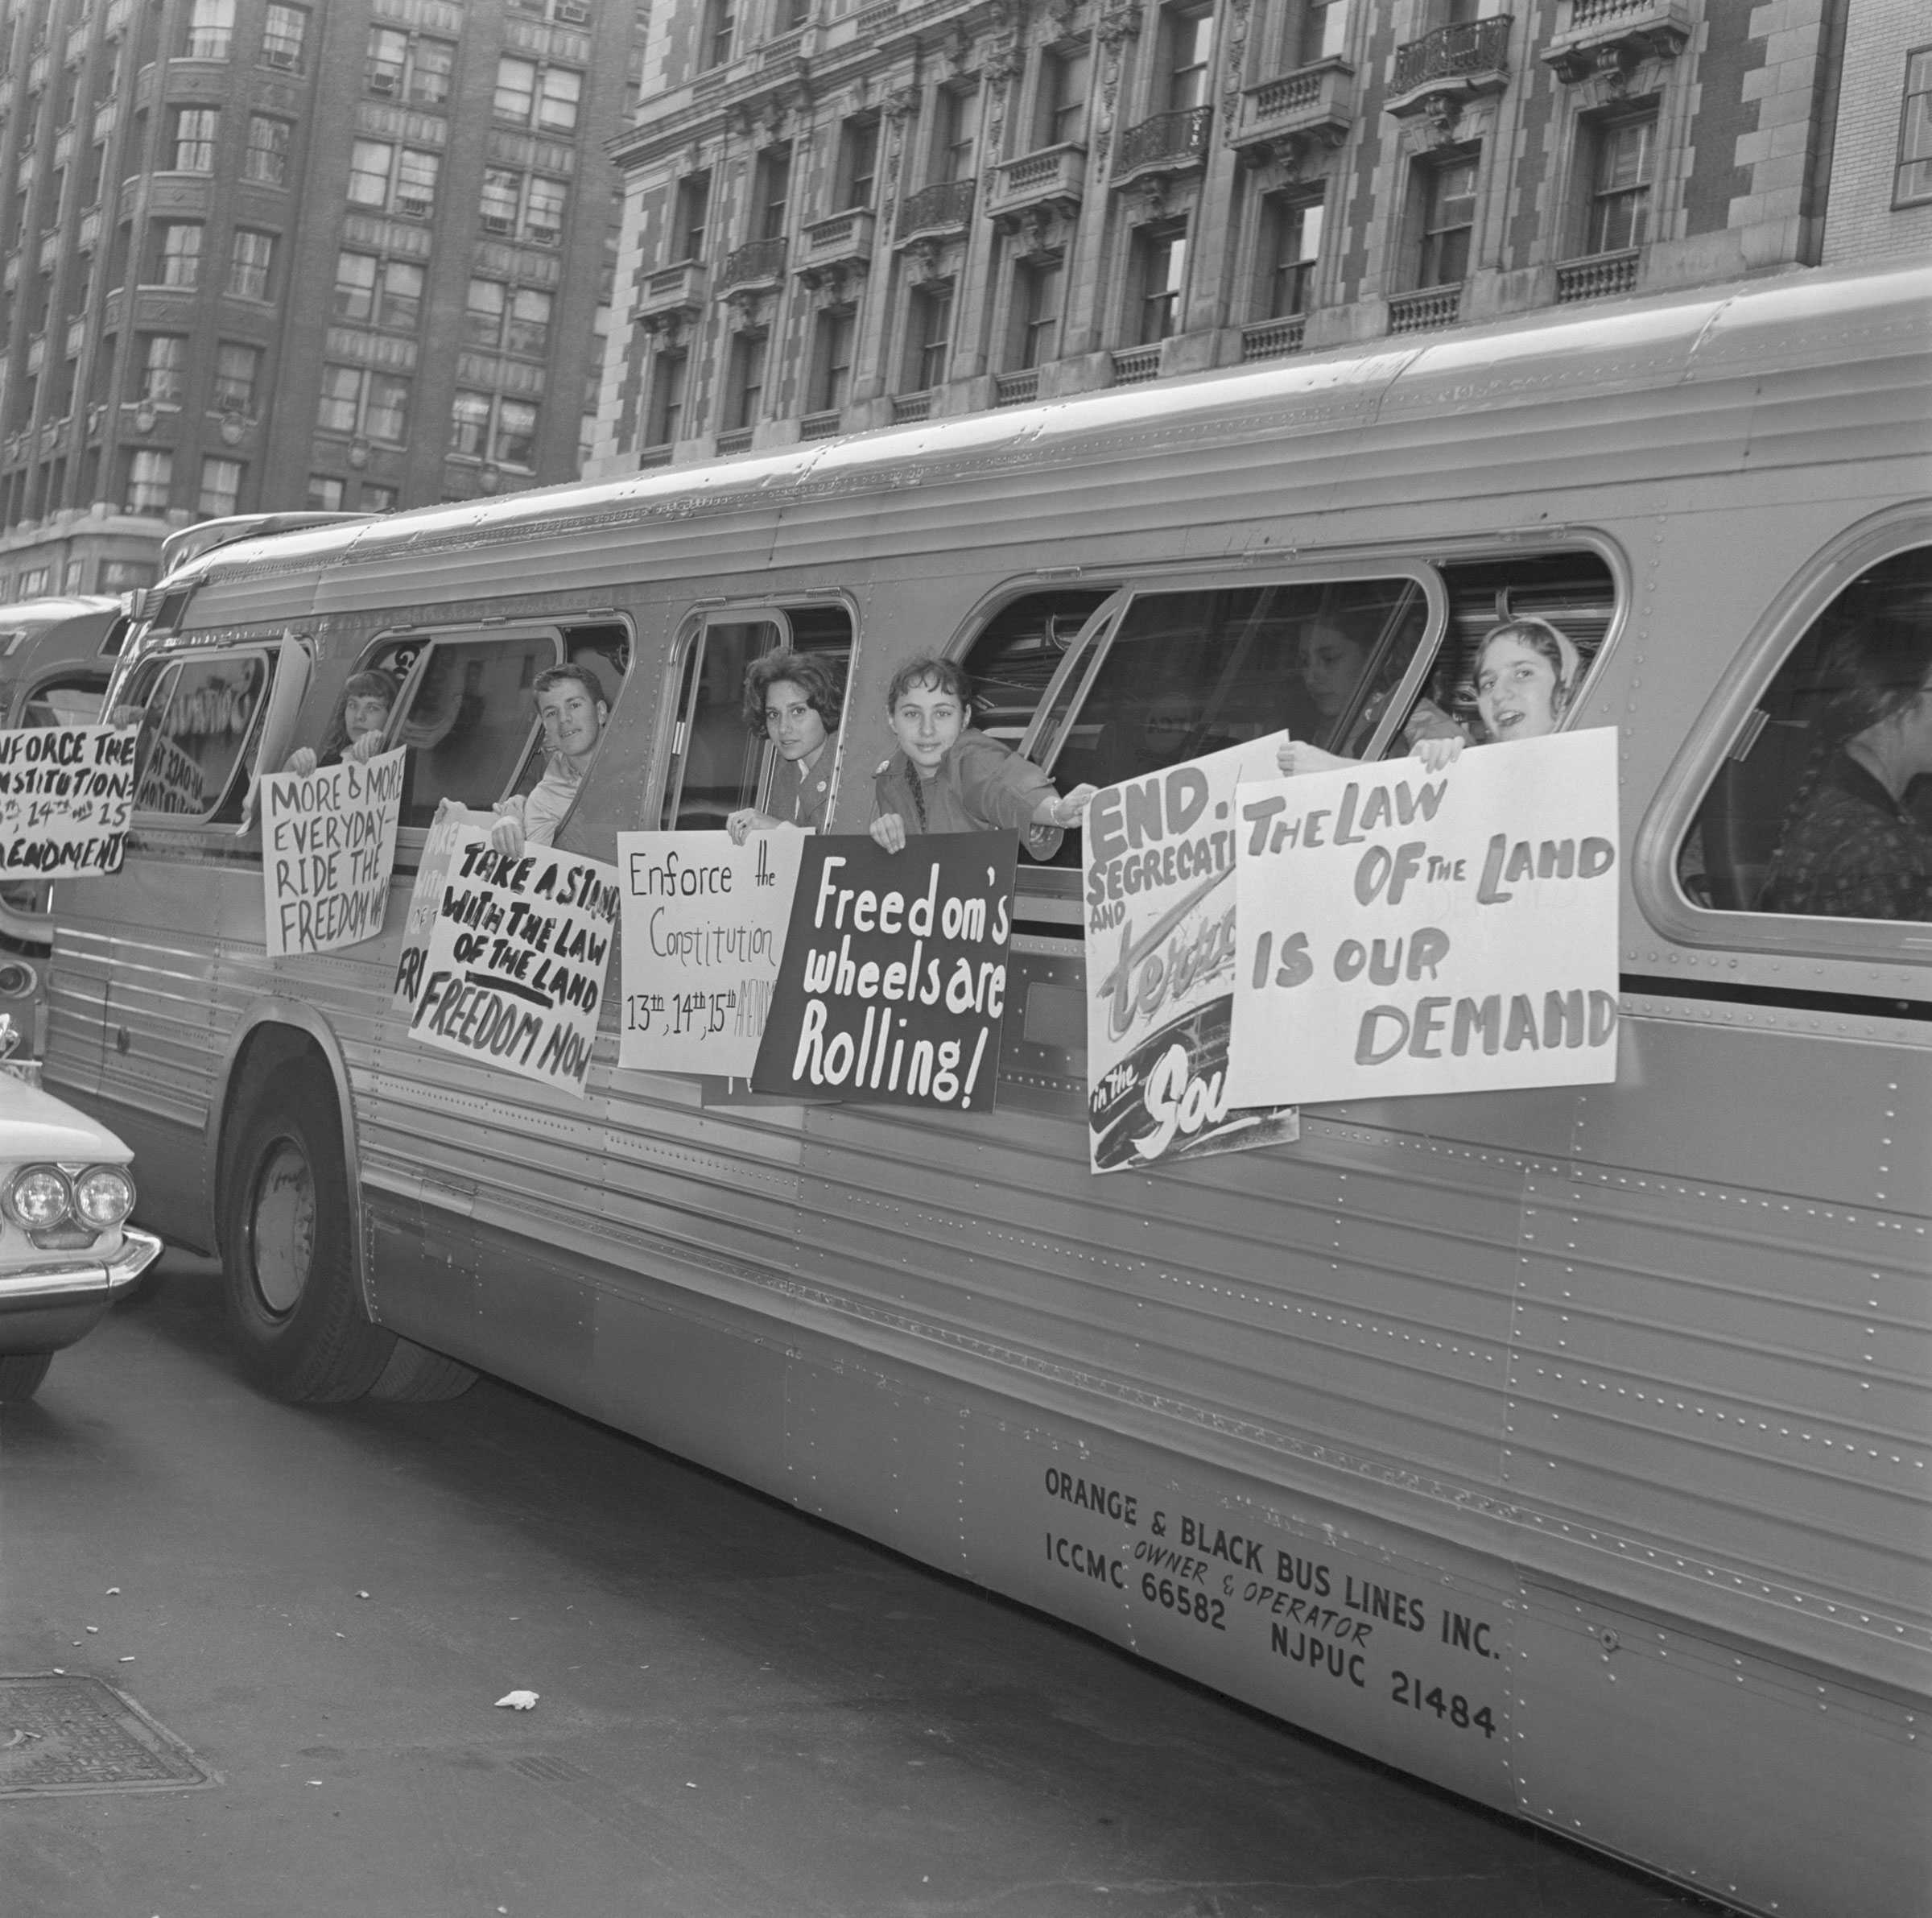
329,840
65,795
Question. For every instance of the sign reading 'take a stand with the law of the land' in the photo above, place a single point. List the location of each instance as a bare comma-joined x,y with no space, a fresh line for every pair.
329,840
1403,932
65,794
517,953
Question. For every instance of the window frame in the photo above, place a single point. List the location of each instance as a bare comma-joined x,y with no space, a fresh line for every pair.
260,175
1901,160
170,660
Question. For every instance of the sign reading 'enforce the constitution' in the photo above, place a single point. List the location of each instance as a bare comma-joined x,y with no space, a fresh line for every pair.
65,796
1405,931
516,958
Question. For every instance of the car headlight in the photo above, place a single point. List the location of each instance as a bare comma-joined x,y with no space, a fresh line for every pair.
104,1196
38,1197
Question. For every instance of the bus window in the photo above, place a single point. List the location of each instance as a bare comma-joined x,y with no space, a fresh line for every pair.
1012,663
1823,806
718,764
604,652
197,719
72,701
468,715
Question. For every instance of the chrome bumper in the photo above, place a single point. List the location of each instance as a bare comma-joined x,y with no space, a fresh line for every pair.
60,1281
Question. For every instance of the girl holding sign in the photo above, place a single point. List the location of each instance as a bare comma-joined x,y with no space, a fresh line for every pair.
793,699
355,730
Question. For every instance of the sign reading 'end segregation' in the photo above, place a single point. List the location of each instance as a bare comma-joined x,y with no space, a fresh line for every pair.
517,958
329,840
65,794
894,980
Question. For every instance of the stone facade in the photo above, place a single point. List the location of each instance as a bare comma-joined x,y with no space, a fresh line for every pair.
1237,181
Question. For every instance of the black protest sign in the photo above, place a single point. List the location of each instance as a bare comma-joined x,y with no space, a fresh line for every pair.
893,982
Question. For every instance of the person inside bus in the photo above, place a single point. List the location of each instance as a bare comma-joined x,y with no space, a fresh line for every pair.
1526,672
355,730
947,778
1332,662
1851,846
571,706
794,701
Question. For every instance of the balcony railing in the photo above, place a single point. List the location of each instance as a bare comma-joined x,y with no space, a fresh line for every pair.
738,440
1315,103
1168,142
1616,36
1421,311
1132,365
1270,339
756,260
1052,176
840,239
1594,278
1450,52
820,426
1016,389
654,456
944,207
908,406
671,289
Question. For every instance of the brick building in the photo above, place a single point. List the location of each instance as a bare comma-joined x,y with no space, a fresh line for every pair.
840,215
1881,202
258,254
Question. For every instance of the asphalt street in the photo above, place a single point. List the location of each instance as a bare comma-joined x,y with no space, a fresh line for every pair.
741,1712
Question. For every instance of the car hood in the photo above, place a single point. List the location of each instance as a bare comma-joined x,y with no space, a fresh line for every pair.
35,1125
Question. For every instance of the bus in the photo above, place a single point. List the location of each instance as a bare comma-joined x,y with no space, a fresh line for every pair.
1566,1448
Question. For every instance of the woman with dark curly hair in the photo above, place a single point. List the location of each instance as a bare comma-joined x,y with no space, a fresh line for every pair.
355,728
793,699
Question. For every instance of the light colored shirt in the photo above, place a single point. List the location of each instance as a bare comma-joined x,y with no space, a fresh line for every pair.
550,800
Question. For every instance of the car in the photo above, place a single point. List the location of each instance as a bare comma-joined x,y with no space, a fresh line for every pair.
67,1251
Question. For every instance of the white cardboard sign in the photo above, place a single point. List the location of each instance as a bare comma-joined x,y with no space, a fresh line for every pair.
328,842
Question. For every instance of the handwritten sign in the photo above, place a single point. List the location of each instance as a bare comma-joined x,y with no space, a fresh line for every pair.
426,899
1159,892
328,840
1401,932
894,980
65,793
704,923
517,958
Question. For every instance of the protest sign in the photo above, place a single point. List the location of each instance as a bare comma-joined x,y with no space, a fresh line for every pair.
426,899
1401,932
704,923
1159,875
518,953
65,794
328,840
893,979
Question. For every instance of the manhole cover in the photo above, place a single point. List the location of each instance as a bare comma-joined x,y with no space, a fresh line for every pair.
59,1732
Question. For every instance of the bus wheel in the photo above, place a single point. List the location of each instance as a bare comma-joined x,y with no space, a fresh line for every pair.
20,1375
287,1267
415,1375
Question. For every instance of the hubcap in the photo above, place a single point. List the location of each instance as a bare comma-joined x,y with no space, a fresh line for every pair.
284,1228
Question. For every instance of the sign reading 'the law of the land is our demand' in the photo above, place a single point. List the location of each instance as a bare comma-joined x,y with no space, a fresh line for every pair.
894,980
329,840
65,794
1403,931
704,923
1159,874
517,954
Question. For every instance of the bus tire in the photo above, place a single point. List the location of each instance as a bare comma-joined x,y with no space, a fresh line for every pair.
415,1375
287,1251
20,1375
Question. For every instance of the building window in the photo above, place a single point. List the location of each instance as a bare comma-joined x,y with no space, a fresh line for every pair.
687,222
265,159
1447,190
744,381
1060,119
1291,242
483,427
527,331
1190,51
528,203
774,186
237,368
358,400
150,474
378,499
195,130
667,397
210,29
858,162
469,424
400,68
220,487
180,263
1911,180
928,337
284,30
252,255
1036,312
164,371
399,179
483,317
506,319
832,358
720,25
543,202
1319,33
324,494
1620,185
1163,266
958,133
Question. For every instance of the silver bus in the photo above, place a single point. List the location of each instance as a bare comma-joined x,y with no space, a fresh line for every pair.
1568,1449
